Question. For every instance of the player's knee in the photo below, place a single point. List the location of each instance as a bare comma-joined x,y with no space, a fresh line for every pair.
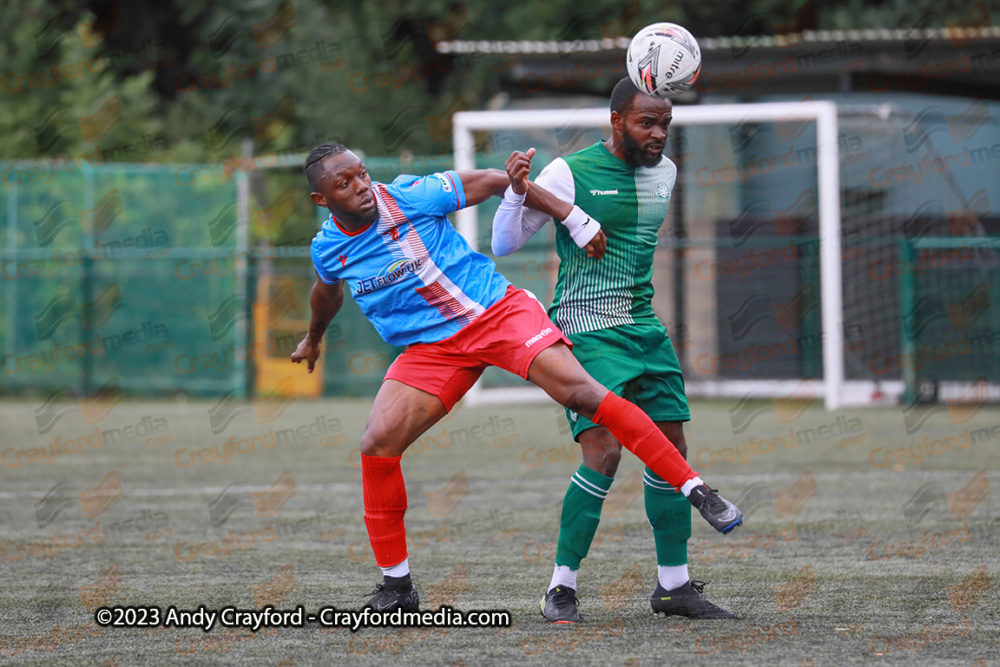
572,400
607,461
374,444
601,454
584,398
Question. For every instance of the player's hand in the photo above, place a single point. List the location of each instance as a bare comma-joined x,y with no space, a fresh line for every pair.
307,351
597,245
518,167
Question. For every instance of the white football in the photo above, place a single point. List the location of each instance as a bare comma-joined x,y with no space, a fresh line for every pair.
663,59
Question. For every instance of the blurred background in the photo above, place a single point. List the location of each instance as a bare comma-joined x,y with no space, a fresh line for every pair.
155,274
156,223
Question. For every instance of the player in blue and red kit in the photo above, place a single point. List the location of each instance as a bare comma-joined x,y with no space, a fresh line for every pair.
421,285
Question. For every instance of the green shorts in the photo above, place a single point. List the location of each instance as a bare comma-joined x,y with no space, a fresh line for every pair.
638,363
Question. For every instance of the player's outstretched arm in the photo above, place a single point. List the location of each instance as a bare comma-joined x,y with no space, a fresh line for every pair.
481,184
324,302
527,206
513,226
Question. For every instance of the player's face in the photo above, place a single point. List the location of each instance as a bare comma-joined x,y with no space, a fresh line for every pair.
645,129
346,189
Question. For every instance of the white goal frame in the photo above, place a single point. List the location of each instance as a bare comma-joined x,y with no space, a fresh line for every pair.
832,386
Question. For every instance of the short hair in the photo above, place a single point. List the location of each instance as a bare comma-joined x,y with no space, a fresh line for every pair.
314,162
623,96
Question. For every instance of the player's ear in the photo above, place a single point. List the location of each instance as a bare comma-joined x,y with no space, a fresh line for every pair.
318,199
617,121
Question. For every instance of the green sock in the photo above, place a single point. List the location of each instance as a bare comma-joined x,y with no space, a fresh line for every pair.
669,513
581,512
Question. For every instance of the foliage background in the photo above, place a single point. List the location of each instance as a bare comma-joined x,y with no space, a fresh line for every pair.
178,38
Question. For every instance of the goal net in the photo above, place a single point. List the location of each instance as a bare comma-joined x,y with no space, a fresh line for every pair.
845,252
921,251
748,270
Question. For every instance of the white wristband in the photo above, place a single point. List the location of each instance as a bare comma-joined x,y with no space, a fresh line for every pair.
582,228
512,197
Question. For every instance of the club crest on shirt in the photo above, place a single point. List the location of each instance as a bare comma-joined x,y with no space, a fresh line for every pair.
662,191
394,232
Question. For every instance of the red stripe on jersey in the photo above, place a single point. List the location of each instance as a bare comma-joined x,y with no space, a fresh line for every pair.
449,307
435,293
413,240
390,215
458,202
395,213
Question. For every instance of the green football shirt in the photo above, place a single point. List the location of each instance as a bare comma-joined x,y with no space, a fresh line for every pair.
631,205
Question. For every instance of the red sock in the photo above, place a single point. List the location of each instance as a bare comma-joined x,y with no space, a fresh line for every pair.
633,428
385,505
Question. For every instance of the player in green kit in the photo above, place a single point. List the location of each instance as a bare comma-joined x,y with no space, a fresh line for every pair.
604,304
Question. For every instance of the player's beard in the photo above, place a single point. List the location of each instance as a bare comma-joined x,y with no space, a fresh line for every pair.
356,217
635,154
369,217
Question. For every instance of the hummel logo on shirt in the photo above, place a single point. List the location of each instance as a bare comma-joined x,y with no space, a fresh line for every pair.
594,193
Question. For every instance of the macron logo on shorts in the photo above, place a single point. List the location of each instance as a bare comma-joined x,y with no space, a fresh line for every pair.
545,332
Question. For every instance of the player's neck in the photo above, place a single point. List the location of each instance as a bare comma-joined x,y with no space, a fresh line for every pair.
614,147
350,224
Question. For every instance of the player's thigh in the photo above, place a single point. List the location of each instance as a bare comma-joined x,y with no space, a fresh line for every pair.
399,416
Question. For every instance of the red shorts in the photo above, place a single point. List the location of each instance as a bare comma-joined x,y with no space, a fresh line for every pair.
509,335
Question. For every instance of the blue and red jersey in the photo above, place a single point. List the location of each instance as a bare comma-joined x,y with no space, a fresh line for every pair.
413,275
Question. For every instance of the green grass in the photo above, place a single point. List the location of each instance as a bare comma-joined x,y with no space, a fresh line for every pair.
493,549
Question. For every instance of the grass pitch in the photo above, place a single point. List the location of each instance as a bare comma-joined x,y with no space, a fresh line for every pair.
863,544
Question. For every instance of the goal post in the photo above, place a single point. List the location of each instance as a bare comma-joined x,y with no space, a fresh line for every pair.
733,116
950,327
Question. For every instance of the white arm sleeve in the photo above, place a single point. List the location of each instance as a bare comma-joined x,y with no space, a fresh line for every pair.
514,223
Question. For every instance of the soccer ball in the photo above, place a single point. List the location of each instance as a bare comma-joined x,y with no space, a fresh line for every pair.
663,59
